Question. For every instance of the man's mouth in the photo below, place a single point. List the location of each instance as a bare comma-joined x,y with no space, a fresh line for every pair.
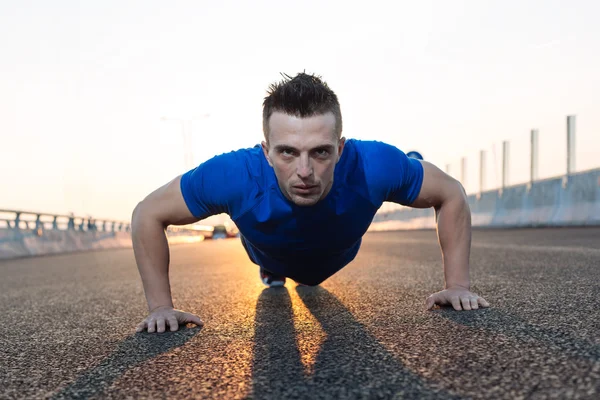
304,188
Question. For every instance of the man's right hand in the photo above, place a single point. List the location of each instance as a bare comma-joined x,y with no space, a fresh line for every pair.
160,317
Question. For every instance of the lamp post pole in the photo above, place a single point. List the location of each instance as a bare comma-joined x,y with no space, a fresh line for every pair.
188,155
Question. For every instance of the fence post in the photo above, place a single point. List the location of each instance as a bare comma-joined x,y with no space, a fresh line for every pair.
505,160
570,144
482,172
18,221
533,172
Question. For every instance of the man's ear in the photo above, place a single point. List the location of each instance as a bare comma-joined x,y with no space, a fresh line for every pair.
265,148
341,145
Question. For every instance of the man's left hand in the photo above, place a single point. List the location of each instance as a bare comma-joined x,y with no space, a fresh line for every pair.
459,298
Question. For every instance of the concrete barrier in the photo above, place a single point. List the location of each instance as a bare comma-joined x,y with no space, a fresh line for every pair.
572,200
16,243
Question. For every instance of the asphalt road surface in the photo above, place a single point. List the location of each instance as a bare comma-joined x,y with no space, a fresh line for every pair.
68,328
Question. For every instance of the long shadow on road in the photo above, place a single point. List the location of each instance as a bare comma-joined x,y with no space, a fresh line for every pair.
350,363
134,350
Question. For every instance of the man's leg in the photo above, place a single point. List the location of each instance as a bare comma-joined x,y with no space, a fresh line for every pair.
267,277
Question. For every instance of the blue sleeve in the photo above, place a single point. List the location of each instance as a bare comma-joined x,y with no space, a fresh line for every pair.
392,176
215,186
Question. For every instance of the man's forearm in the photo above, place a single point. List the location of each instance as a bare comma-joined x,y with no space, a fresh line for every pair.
454,233
151,250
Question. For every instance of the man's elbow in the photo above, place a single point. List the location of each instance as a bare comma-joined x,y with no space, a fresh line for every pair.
454,194
460,199
140,213
135,215
460,189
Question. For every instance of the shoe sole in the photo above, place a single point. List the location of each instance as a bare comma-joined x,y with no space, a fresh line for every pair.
274,283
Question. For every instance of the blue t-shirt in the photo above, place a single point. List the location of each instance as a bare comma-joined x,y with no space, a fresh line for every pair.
307,244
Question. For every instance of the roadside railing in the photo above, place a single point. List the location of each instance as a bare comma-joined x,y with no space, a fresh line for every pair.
39,222
28,220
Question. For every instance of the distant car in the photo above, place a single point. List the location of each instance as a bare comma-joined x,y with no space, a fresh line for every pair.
220,232
219,235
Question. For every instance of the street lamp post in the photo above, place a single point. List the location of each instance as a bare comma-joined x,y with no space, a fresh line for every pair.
188,156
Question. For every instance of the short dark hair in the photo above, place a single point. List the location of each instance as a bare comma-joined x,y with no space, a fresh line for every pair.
302,96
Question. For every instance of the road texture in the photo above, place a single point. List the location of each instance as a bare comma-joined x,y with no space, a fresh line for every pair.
69,322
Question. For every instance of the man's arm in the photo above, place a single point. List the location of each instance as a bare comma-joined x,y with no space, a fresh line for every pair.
163,207
453,217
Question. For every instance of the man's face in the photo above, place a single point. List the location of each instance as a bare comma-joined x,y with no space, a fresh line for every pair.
303,152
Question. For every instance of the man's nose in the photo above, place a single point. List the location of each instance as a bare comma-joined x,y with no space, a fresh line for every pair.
304,169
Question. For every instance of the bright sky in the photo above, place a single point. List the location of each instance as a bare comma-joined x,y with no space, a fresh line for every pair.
83,86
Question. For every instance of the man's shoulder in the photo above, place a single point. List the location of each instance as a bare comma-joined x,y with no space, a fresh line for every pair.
368,154
375,160
241,161
367,146
231,171
227,182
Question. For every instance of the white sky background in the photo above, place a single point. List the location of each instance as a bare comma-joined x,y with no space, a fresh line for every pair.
83,86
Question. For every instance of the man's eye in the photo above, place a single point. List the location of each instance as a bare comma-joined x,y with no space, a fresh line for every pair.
322,153
287,152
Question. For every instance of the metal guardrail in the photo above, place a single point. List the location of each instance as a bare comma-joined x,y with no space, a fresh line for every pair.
19,219
39,222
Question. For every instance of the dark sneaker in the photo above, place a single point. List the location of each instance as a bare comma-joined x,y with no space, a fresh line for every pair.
270,279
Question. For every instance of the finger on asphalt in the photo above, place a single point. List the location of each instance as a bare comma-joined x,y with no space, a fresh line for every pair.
433,300
466,303
151,326
160,325
173,324
195,319
474,305
141,326
456,303
483,302
430,302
